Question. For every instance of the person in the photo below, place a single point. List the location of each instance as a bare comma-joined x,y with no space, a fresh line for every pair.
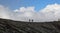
29,20
32,20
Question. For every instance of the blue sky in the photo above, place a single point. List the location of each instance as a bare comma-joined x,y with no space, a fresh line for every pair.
38,4
24,10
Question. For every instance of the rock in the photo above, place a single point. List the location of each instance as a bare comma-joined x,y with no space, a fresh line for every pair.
10,26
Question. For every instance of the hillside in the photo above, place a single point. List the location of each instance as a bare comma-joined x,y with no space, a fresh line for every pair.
10,26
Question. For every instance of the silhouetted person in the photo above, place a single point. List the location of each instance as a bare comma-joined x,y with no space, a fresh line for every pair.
32,20
29,20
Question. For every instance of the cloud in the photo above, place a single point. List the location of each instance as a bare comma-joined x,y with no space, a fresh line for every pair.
25,9
50,13
4,12
25,13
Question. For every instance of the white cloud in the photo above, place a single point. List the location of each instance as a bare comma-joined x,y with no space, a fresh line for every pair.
49,13
25,13
4,12
25,9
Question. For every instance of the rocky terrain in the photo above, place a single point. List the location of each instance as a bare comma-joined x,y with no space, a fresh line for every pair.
10,26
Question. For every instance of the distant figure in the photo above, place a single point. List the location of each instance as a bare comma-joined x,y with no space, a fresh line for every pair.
29,20
32,20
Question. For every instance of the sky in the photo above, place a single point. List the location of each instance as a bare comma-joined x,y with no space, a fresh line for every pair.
38,4
23,10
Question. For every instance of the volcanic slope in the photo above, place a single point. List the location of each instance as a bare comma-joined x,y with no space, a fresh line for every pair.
10,26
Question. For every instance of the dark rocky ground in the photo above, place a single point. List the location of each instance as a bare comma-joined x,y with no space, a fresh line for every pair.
10,26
